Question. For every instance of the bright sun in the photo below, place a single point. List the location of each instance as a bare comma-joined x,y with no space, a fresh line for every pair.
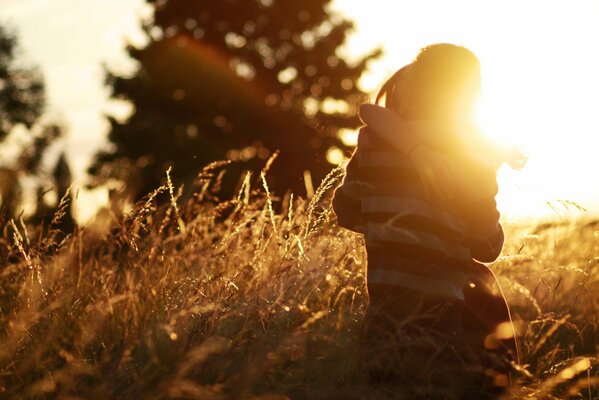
491,124
540,86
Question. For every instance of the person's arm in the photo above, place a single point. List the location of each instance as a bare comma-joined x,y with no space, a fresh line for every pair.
433,167
387,124
486,234
479,211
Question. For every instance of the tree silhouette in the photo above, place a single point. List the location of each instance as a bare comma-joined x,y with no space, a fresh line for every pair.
22,102
21,89
237,80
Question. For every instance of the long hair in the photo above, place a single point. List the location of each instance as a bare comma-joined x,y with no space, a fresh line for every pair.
434,84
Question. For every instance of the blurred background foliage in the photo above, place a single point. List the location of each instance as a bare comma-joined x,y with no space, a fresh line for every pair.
34,174
236,80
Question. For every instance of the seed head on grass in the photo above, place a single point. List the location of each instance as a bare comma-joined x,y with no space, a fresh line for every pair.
254,297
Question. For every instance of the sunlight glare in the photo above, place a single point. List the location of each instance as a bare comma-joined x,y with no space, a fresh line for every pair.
540,86
492,125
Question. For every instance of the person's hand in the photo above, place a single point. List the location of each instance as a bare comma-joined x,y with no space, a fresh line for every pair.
433,167
436,172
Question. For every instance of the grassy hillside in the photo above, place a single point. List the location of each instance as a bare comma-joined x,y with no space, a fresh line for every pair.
208,299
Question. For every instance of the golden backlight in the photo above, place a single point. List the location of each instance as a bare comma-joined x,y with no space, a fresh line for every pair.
540,84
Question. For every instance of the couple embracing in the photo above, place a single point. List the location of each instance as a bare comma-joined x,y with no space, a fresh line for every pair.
421,188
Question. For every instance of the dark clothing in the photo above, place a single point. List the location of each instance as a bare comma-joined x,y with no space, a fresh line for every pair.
432,307
412,242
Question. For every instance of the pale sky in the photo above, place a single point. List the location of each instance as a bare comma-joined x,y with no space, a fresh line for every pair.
539,60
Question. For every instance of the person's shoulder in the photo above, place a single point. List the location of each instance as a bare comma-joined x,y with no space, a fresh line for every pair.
368,139
364,136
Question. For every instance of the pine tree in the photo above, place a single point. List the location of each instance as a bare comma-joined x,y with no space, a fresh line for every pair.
237,80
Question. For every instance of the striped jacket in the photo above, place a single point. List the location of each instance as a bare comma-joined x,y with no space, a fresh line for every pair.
412,242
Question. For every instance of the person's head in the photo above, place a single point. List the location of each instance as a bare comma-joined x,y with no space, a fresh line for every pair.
441,84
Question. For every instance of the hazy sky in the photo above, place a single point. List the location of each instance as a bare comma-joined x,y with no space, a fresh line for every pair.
539,59
70,39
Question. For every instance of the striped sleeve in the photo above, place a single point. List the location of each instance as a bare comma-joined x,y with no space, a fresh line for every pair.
485,237
486,234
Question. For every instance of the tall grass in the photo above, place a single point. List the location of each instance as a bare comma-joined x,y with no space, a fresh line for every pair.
256,297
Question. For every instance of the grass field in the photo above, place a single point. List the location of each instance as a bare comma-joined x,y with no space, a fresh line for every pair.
208,299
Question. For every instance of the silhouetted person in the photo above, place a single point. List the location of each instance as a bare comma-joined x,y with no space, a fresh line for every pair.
421,188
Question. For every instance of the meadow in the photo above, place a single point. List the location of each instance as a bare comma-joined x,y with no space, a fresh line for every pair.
255,297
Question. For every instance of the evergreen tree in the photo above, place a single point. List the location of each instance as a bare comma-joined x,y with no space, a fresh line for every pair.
22,101
237,80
